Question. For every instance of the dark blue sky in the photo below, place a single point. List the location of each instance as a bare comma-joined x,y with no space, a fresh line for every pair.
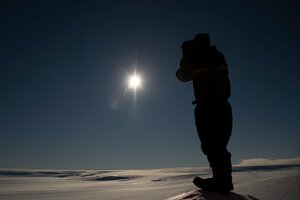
64,63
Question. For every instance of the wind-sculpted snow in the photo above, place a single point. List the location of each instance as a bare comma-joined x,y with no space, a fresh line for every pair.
112,178
251,183
50,173
114,175
75,174
166,174
263,168
33,173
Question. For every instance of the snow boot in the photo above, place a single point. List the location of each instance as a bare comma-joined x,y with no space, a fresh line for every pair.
211,184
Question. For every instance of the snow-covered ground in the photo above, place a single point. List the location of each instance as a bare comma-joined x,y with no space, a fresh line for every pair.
272,182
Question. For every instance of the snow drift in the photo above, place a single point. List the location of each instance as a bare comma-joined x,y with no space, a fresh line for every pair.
274,182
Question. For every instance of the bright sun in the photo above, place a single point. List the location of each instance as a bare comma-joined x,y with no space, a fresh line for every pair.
134,82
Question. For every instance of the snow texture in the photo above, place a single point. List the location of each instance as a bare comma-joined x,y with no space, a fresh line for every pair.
276,182
205,195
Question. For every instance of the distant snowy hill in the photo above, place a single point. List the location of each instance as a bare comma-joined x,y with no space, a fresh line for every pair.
270,182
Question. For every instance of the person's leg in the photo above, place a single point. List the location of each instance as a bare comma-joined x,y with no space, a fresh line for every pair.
214,125
217,153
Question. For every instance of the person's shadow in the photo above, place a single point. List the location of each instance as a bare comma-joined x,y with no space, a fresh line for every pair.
206,195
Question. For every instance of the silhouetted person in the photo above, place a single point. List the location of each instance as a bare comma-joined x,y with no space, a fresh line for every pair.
207,68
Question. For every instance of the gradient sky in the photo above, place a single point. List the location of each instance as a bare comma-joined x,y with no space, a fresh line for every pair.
64,63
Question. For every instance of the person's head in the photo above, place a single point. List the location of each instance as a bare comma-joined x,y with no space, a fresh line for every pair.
202,39
191,48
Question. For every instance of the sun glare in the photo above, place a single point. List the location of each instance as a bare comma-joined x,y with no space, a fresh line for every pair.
134,82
